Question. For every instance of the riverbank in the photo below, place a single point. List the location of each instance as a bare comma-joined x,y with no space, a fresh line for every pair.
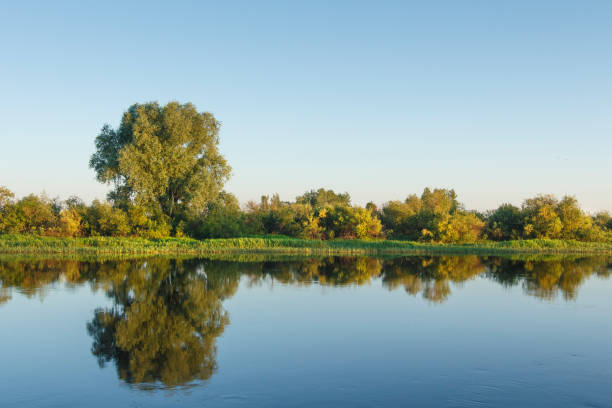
28,244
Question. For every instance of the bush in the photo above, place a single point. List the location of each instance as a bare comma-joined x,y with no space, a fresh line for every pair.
103,219
435,216
507,222
460,228
70,223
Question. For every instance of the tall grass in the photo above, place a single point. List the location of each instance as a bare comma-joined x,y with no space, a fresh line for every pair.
29,244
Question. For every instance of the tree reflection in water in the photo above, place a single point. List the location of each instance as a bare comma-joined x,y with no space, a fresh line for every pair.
164,323
547,277
167,313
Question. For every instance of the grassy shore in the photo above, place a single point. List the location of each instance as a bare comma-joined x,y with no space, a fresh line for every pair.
27,244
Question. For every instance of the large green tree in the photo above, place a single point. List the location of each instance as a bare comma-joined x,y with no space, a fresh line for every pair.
163,157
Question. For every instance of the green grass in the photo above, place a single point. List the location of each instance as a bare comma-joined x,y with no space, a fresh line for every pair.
28,244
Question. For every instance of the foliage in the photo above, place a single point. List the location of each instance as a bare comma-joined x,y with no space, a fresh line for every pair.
322,198
541,218
547,217
603,220
72,218
6,197
168,174
222,219
104,219
30,215
434,217
460,227
70,223
320,214
10,243
162,157
340,221
506,222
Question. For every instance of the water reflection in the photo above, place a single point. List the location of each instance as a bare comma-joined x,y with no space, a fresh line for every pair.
132,281
166,314
164,322
546,278
431,276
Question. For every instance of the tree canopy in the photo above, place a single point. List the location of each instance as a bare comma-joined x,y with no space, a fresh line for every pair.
435,216
163,157
321,198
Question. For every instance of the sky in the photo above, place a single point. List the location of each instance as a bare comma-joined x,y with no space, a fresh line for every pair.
498,100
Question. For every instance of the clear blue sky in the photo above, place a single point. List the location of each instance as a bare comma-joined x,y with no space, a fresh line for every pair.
499,100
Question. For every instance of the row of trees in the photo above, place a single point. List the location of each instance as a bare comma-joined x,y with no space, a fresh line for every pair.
321,214
40,215
167,178
437,215
434,216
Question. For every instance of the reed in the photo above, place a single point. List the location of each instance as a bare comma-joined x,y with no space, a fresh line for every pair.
30,244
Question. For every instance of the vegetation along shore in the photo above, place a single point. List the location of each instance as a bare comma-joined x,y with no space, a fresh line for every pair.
167,177
30,244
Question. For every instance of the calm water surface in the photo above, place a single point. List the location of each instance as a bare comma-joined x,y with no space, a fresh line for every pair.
443,331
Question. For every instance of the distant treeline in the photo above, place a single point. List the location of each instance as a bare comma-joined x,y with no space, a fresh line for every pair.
434,216
168,175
